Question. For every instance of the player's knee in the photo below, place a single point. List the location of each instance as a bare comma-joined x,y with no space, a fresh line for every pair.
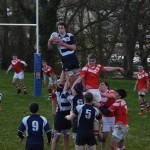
141,95
14,82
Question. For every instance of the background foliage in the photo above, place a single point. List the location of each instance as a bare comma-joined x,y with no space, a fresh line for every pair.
110,28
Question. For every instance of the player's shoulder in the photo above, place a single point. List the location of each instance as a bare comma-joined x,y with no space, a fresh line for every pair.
120,102
86,67
79,107
100,66
69,34
146,74
111,92
25,119
96,109
19,59
49,67
44,118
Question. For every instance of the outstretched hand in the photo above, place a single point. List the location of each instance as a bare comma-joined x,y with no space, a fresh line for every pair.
121,70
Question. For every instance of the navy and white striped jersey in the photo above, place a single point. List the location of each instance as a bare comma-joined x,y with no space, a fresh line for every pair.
63,103
69,39
74,100
86,116
34,126
65,52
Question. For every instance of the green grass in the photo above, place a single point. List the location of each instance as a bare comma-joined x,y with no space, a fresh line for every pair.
15,107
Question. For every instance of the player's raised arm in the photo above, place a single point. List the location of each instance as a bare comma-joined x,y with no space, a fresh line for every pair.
49,44
114,69
53,40
24,63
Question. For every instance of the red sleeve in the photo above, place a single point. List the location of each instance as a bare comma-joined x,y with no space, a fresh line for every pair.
100,67
83,71
114,106
112,92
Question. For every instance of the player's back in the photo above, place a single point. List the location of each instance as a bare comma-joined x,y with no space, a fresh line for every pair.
120,111
86,116
35,124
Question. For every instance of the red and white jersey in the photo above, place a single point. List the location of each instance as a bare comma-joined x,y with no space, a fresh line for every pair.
108,101
90,75
48,70
16,65
142,78
120,111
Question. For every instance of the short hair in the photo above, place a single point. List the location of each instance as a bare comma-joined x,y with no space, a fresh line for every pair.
44,61
62,24
34,108
92,56
140,66
106,84
78,88
14,54
88,97
122,93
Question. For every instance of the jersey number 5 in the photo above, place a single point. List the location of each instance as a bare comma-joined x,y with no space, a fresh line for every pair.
35,125
88,114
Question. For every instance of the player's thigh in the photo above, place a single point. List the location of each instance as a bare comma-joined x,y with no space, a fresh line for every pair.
60,123
119,133
108,124
73,64
34,147
96,94
91,147
21,75
78,147
15,77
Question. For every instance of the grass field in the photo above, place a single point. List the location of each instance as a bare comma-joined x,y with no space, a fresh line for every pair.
15,107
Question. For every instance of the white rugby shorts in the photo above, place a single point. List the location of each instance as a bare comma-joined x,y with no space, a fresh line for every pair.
119,132
19,75
96,94
108,124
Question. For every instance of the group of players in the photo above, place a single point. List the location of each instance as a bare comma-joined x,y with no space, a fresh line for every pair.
81,102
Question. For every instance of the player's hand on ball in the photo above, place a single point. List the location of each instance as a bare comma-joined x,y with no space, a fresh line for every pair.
67,117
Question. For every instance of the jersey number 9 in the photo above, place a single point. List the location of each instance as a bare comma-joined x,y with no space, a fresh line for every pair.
35,126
